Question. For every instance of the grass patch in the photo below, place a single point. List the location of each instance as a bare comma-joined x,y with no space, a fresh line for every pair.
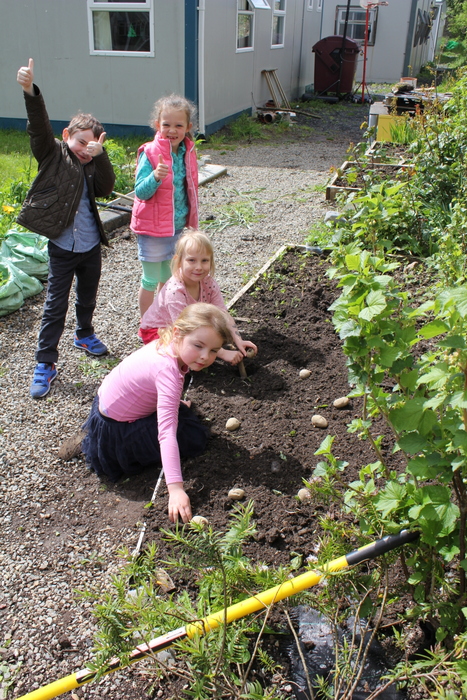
16,159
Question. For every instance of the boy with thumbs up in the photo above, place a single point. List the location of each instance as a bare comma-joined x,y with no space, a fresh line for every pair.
166,192
61,205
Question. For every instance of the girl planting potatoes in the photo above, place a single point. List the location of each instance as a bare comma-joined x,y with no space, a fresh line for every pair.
137,420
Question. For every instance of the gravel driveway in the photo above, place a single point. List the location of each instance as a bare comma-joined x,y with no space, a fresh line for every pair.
61,529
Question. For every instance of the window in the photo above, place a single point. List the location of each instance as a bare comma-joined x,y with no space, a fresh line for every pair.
309,5
320,5
245,25
123,27
356,24
278,23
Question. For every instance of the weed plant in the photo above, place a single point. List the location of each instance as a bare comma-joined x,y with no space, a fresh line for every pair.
213,665
240,211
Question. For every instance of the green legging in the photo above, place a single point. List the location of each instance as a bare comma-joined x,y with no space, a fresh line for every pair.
153,273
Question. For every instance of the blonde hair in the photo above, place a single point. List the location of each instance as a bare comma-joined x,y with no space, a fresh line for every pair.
195,241
177,103
196,316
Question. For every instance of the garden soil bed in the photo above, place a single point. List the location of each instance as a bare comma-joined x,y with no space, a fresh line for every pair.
286,313
273,450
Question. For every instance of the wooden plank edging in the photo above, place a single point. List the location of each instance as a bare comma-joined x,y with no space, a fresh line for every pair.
283,249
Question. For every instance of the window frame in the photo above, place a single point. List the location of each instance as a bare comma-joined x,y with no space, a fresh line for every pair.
281,15
372,22
248,13
139,6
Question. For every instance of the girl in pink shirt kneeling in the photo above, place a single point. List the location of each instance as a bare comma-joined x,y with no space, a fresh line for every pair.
137,419
192,269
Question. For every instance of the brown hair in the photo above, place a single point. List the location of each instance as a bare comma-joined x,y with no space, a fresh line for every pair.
81,122
195,241
177,103
196,316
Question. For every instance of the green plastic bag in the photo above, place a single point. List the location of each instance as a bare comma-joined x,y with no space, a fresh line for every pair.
28,251
15,287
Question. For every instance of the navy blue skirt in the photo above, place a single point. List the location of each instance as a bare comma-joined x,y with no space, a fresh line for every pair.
115,449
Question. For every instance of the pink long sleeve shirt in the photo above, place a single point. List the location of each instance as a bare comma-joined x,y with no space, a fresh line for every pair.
174,297
144,382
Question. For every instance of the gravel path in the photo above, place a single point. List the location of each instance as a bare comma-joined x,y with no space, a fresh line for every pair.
61,528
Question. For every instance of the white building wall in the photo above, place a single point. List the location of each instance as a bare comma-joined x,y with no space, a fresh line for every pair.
311,34
392,50
234,81
116,89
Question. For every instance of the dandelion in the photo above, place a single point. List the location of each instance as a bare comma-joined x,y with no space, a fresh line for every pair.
8,209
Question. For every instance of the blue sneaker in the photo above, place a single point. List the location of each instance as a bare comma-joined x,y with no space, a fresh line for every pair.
91,344
44,374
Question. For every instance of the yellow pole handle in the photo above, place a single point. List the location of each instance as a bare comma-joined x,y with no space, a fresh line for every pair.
264,599
234,612
52,690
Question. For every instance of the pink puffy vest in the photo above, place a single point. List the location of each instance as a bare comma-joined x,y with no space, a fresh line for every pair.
155,216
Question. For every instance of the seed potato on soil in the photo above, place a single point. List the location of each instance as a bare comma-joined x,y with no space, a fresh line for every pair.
62,527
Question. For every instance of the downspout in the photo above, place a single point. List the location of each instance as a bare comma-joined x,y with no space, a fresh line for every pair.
301,47
409,41
321,22
342,52
201,105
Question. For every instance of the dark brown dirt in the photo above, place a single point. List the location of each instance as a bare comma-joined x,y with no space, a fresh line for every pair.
273,450
356,176
286,314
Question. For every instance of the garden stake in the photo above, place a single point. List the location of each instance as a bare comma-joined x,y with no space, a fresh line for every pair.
234,612
241,367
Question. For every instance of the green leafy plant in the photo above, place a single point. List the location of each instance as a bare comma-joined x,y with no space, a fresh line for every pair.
123,159
424,406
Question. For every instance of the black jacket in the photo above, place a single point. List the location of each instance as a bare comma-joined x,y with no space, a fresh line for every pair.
52,202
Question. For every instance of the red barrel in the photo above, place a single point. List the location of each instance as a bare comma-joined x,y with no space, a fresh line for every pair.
335,64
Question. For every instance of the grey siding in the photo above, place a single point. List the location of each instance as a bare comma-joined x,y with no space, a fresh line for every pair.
116,89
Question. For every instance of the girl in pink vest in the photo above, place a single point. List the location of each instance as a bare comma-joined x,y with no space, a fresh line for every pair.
166,192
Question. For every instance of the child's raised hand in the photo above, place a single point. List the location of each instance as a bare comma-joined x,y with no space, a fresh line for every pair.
162,170
25,77
179,503
95,148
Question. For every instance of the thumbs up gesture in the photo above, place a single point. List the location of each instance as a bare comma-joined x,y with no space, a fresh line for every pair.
95,148
25,77
162,170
